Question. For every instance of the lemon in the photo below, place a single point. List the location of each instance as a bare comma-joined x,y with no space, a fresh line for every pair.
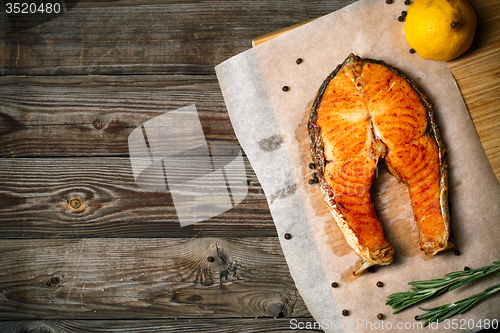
440,29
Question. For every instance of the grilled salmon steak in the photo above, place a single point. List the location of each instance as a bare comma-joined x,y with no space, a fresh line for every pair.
366,111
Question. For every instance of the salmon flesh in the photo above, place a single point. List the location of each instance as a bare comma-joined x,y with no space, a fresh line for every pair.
367,111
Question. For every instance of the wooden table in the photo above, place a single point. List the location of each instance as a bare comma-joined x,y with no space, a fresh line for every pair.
83,247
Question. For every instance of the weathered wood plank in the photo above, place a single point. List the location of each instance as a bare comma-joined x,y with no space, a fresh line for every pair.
130,37
241,325
36,194
146,278
94,115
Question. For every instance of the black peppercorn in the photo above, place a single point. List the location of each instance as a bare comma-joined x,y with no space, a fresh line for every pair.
299,61
345,312
466,268
335,284
371,269
403,13
412,51
407,2
312,166
388,2
288,236
457,253
310,181
210,259
380,284
316,180
380,316
285,88
401,18
314,175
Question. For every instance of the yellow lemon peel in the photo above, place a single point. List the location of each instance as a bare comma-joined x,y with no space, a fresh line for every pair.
440,29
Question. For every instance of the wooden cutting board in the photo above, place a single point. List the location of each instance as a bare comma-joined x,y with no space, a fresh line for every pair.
477,73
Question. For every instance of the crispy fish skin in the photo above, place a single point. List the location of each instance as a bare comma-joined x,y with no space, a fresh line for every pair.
367,110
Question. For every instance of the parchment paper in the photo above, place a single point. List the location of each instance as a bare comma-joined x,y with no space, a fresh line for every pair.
271,127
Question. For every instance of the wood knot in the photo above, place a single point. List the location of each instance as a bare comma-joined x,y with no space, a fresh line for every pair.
223,268
275,309
55,280
75,203
97,124
35,327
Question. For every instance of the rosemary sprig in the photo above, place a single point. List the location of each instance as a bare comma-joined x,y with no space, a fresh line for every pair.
446,311
425,289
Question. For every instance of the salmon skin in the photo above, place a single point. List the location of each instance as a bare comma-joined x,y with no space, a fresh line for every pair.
366,111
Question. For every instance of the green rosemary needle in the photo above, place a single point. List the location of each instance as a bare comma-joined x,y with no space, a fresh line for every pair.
425,289
446,311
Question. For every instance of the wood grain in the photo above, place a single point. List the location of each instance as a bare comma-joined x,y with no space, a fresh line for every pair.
149,37
477,73
36,199
146,278
94,115
243,325
71,91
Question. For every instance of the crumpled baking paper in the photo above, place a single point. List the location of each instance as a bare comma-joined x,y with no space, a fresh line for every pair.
270,124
